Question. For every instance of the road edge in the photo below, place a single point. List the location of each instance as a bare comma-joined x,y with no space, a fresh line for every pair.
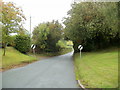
81,85
78,81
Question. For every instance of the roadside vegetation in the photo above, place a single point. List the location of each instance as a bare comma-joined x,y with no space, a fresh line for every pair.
94,25
16,49
46,36
14,58
97,69
0,58
65,47
45,55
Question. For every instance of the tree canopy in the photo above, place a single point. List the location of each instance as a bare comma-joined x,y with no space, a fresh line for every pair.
12,20
91,21
46,35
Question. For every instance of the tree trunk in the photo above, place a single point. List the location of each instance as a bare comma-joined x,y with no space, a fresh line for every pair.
4,49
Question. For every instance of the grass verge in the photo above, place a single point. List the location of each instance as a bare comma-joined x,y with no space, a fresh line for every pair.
14,58
97,69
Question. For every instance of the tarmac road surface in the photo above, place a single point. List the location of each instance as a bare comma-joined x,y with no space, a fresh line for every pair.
54,72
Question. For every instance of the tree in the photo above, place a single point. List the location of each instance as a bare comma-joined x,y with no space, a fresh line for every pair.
12,20
91,21
46,35
22,43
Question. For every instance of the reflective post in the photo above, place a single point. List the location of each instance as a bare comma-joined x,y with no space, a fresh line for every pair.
80,47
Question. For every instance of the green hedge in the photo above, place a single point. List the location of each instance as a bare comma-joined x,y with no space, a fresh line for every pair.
22,43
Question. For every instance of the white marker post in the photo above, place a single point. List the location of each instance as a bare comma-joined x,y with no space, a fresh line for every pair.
33,47
80,47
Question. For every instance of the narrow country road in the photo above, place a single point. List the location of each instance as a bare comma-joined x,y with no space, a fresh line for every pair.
55,72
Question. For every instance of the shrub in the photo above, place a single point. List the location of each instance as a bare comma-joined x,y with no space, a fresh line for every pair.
11,41
22,43
88,45
46,36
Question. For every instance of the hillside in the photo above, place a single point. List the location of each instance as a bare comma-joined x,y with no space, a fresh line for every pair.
14,58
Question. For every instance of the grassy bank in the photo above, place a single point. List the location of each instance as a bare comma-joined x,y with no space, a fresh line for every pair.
14,58
0,58
97,69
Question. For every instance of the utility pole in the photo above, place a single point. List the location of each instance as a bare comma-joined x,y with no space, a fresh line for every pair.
30,27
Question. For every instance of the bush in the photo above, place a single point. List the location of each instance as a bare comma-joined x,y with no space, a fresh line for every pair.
11,41
89,45
46,36
22,43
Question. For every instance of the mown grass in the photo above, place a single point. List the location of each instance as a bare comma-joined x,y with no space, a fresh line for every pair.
97,69
0,58
14,57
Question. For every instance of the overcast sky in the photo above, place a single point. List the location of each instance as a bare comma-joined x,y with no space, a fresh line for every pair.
42,10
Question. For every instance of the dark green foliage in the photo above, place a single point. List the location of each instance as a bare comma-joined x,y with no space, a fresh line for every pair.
92,24
22,43
46,36
11,41
75,46
88,45
116,40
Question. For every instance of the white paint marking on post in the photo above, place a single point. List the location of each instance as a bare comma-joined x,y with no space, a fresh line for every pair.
80,47
33,48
